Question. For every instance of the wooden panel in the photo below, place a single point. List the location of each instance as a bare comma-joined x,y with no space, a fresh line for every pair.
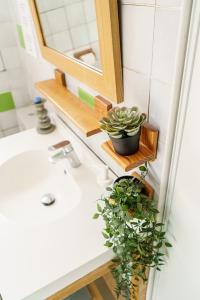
102,106
147,149
79,113
60,77
108,82
94,292
149,138
79,54
77,285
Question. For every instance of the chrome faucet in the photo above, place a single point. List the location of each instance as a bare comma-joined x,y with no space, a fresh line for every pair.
67,151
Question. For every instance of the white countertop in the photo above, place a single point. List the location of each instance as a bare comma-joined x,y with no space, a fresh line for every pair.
35,262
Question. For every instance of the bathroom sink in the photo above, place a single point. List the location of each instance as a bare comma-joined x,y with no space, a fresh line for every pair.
27,180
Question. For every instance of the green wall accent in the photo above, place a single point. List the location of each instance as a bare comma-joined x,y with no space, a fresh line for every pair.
6,102
86,98
21,36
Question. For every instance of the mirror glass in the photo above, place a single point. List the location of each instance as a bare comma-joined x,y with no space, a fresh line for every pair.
70,27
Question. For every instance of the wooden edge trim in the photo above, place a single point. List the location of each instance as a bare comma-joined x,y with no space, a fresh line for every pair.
108,29
82,282
94,292
102,106
60,77
149,138
78,54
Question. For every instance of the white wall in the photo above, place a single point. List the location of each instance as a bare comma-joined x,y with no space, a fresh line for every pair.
179,278
149,31
12,76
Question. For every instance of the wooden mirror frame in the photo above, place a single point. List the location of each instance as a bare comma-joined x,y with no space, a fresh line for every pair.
109,81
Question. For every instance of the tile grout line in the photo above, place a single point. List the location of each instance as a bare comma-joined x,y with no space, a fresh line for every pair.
152,56
152,5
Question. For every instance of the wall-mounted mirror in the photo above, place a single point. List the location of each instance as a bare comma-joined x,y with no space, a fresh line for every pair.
75,34
81,37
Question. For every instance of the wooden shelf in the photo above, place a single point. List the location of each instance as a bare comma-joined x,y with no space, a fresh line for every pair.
80,114
147,149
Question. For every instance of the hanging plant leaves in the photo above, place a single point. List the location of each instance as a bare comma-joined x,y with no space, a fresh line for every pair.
133,233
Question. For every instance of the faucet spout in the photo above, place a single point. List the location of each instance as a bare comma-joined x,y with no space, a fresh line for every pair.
66,152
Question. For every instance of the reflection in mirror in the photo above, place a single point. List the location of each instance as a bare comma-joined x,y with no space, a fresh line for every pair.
70,27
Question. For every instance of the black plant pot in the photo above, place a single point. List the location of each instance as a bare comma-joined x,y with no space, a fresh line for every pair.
126,145
130,177
124,177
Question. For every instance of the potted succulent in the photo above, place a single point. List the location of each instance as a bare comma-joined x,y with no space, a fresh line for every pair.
133,232
123,127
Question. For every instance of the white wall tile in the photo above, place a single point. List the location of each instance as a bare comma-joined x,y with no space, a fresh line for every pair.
80,36
2,68
4,81
90,12
45,24
139,2
75,14
62,41
49,41
57,20
136,90
92,30
41,5
16,78
45,5
13,76
7,36
160,101
155,167
21,97
165,43
8,119
11,57
169,2
52,4
4,11
69,2
137,37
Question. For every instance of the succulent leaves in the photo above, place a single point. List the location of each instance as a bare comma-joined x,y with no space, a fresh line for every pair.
122,122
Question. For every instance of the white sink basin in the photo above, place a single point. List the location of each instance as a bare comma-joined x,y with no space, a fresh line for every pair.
46,248
25,179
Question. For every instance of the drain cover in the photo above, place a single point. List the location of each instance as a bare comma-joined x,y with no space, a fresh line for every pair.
48,199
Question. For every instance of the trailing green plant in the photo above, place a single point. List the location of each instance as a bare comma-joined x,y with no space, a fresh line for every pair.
133,233
122,122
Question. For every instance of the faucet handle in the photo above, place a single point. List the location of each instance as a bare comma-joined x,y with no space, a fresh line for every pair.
60,145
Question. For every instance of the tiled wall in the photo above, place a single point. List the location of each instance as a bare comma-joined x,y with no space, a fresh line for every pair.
149,41
149,31
76,29
12,78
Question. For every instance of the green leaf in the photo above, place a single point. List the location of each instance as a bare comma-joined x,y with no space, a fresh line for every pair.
105,235
109,189
96,216
168,244
142,168
99,208
159,224
108,244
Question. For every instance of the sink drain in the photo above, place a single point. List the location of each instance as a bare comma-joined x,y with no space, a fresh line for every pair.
48,199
